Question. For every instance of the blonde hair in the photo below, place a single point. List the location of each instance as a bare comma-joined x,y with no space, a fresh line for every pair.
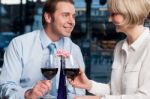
134,11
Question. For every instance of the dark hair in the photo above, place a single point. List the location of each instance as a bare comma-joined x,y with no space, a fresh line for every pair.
50,7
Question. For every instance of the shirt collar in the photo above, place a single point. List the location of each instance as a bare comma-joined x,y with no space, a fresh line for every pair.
60,44
45,40
136,44
140,39
125,45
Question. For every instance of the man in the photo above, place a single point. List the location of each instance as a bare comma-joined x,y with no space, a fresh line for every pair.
21,76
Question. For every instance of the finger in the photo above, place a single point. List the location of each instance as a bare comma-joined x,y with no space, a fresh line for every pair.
45,86
69,80
48,83
73,83
81,70
41,87
77,97
37,93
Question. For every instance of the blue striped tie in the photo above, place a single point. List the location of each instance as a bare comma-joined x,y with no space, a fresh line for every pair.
52,48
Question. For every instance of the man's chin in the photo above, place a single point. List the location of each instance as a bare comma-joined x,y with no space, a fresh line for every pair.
67,35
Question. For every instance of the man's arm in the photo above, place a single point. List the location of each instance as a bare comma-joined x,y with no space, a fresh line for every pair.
11,73
11,76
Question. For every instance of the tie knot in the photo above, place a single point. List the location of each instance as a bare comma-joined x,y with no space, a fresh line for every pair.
51,48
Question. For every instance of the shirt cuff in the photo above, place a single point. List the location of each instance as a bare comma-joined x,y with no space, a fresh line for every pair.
94,87
103,97
99,89
23,92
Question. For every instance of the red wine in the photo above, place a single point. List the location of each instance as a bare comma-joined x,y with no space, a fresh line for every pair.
49,73
71,72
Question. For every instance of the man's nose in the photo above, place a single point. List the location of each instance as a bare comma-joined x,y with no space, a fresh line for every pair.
71,20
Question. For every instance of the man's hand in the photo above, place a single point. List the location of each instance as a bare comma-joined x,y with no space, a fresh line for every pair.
39,90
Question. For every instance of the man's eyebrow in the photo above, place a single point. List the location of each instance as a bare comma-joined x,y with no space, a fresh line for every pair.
68,13
65,13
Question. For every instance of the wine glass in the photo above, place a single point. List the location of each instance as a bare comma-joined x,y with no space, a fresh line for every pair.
49,70
71,69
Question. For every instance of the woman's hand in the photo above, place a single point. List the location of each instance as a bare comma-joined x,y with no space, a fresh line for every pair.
81,81
39,90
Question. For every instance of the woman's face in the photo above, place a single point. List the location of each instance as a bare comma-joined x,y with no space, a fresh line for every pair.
118,21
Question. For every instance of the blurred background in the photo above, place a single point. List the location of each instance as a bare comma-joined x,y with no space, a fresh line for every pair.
93,33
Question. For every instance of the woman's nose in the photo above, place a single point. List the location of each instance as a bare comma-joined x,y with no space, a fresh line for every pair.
110,19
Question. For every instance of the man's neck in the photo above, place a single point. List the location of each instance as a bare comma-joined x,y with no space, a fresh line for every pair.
54,37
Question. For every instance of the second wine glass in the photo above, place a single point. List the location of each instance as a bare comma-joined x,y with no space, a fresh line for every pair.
71,69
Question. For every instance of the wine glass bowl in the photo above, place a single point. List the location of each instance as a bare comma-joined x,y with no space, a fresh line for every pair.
71,69
49,73
49,68
71,72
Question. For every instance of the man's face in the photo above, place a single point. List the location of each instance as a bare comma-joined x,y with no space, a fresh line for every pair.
63,20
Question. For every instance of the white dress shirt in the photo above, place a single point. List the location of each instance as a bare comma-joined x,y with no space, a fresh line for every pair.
23,61
130,77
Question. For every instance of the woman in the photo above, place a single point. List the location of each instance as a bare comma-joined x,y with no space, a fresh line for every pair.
130,78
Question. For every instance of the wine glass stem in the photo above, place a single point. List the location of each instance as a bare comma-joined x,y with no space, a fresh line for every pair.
74,90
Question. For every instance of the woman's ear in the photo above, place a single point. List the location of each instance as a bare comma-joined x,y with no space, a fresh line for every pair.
47,17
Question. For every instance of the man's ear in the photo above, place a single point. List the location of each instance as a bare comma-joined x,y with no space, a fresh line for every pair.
47,17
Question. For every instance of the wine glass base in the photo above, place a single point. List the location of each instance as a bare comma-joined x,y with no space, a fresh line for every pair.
49,97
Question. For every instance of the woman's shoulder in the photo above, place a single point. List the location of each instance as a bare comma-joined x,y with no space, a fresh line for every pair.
120,44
